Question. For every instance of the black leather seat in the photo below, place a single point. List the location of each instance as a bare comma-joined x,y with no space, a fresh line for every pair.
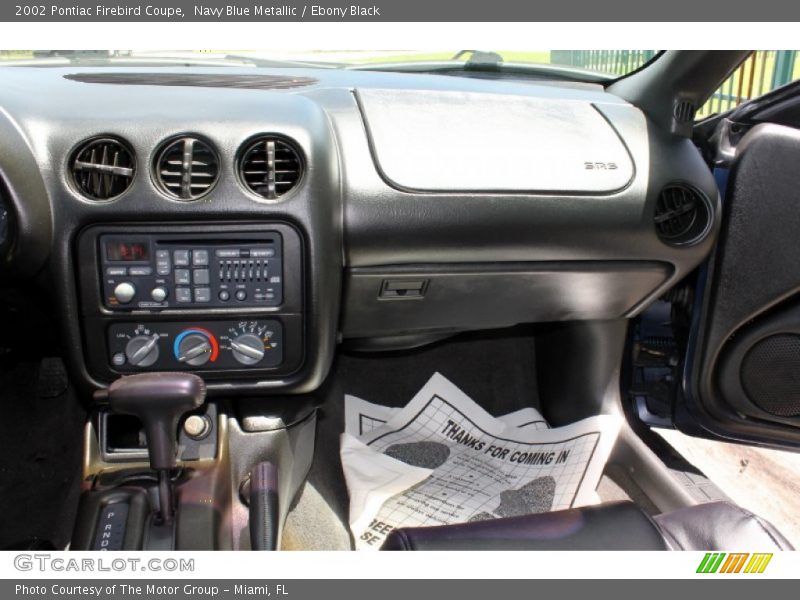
613,526
719,526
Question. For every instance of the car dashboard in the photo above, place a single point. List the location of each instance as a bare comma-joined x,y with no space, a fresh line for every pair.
241,224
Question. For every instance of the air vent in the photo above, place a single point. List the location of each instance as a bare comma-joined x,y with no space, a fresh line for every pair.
270,166
186,168
224,80
102,168
683,215
684,111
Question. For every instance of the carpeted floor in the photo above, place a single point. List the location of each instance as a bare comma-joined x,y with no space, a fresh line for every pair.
41,437
495,369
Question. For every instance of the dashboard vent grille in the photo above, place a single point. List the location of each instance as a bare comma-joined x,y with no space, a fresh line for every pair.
102,168
684,111
683,215
270,167
186,168
226,80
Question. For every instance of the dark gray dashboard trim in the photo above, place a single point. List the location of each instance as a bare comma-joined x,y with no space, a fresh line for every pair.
471,296
348,214
33,158
25,195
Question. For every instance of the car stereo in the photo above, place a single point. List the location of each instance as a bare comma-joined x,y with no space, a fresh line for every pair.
224,300
151,271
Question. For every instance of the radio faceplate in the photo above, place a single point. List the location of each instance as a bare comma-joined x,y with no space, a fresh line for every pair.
160,271
278,324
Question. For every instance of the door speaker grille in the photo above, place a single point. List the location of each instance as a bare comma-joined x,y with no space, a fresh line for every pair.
770,374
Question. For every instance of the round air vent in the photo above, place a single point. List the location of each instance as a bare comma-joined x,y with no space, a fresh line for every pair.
270,166
102,168
683,215
186,168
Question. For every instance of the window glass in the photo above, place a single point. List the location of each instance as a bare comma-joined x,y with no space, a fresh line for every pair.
762,72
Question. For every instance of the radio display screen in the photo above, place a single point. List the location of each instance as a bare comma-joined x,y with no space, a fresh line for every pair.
127,251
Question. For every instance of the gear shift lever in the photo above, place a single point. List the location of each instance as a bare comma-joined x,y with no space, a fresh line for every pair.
159,400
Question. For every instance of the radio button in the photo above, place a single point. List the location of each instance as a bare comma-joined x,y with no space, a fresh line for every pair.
200,258
228,253
116,271
202,294
181,258
183,294
163,265
124,292
262,252
201,277
183,277
140,271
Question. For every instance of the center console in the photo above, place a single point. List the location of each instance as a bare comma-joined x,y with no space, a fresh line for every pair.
226,482
166,302
224,301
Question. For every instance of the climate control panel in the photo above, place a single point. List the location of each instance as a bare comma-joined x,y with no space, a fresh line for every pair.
202,346
224,300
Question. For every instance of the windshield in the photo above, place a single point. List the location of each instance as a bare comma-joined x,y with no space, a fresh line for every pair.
582,63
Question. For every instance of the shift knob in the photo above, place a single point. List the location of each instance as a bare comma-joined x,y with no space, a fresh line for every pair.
159,400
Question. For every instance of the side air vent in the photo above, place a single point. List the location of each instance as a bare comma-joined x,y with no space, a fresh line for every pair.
684,111
683,215
270,166
186,168
102,168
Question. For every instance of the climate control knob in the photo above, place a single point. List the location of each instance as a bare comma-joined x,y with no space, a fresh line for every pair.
194,349
142,350
248,349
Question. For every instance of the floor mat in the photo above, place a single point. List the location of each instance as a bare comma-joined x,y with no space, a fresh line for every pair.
496,369
40,454
312,525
